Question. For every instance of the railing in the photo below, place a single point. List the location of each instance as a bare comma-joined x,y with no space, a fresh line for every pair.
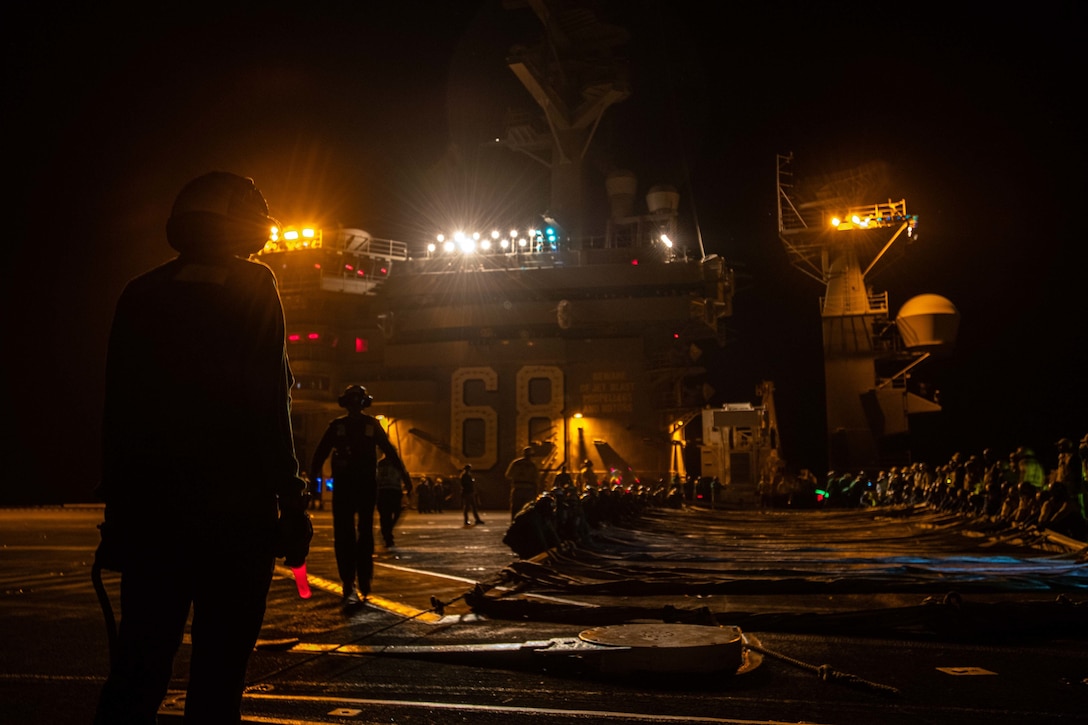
880,215
876,303
381,249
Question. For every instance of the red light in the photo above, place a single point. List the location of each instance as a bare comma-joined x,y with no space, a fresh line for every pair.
313,336
361,345
361,272
317,265
302,582
348,267
634,262
294,338
383,271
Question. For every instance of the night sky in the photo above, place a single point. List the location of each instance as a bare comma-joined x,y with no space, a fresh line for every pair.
379,118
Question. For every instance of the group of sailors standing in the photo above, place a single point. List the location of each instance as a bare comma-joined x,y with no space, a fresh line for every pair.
1017,489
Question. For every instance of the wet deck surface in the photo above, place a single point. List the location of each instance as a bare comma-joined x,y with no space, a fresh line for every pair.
913,618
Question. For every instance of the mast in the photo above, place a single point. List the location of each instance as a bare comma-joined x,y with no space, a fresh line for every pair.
833,238
574,76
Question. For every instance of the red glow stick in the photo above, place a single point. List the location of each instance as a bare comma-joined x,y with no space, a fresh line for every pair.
301,581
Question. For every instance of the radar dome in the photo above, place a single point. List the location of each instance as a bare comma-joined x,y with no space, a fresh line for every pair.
662,198
928,322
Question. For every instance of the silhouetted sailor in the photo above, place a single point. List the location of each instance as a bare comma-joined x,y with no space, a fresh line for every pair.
391,492
522,474
354,440
563,479
469,495
200,479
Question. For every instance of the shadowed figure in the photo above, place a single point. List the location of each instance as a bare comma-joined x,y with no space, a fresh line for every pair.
354,440
522,475
391,492
469,496
200,479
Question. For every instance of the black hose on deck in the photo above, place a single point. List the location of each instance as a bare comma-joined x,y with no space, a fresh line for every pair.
107,608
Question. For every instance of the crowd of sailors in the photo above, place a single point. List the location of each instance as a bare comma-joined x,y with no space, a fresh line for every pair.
571,509
1017,489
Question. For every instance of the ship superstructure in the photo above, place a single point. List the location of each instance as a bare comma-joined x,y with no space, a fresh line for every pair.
588,354
582,343
832,235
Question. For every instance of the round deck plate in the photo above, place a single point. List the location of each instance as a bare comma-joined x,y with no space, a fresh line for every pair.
661,635
670,647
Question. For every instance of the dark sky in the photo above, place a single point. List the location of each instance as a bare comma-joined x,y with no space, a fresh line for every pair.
375,117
